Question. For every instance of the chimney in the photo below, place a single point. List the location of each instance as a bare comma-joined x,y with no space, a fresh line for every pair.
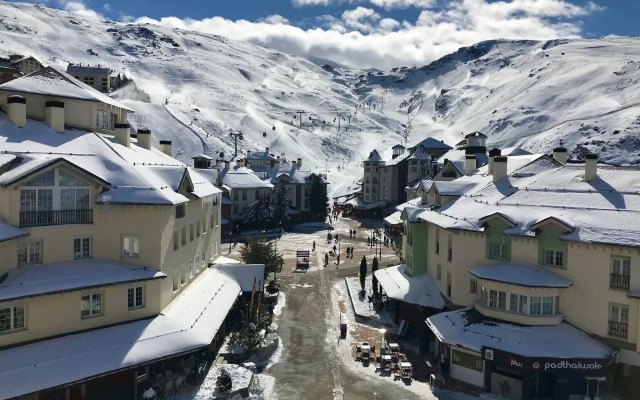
247,163
240,163
54,115
121,133
299,162
470,164
590,167
493,153
266,150
165,146
227,165
248,153
17,110
144,138
293,164
560,155
499,168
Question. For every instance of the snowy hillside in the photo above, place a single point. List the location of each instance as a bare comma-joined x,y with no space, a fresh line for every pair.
583,93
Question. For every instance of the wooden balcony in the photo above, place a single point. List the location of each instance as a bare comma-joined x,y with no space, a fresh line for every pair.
62,217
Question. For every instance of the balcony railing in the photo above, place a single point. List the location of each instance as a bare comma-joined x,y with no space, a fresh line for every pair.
619,329
63,217
617,281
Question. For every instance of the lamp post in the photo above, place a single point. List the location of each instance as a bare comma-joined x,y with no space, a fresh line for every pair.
382,331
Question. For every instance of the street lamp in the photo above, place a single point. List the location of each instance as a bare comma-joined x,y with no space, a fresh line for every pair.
382,331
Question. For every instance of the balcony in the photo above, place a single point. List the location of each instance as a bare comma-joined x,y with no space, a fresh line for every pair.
617,281
63,217
619,329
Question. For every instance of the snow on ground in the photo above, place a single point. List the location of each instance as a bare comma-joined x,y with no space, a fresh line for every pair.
240,377
361,304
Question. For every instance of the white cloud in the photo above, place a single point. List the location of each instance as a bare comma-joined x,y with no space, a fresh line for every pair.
274,19
362,38
299,3
106,7
389,4
78,7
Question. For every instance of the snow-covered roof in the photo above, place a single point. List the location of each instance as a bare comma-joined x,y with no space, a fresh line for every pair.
476,134
243,178
536,188
521,274
40,279
260,155
201,157
130,175
419,289
393,219
468,328
431,143
189,323
52,82
8,232
421,153
359,203
452,188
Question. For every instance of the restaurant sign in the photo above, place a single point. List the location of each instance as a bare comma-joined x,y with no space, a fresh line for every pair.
517,364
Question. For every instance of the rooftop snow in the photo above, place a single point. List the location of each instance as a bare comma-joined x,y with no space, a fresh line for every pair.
40,279
418,289
522,274
431,143
8,232
189,323
52,82
394,219
467,328
244,178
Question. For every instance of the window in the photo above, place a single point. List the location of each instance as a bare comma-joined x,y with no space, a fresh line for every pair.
192,232
176,281
91,305
183,276
213,220
135,297
374,181
54,190
513,302
198,228
553,258
29,252
244,195
204,225
367,169
257,195
191,267
618,320
449,284
235,196
502,300
180,211
184,235
105,120
176,240
523,304
473,285
12,318
437,241
235,209
81,247
414,169
498,251
204,262
547,305
493,298
535,308
439,272
620,277
450,249
483,295
130,246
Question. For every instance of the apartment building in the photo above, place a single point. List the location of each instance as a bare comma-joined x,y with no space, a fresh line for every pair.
243,187
100,236
544,255
26,65
387,175
98,77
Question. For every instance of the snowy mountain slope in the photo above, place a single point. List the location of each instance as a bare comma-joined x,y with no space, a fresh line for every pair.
583,94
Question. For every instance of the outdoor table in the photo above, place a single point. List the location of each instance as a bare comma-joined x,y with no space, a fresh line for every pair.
385,359
394,347
405,365
365,347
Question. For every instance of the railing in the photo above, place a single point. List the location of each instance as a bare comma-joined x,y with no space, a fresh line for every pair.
619,329
62,217
617,281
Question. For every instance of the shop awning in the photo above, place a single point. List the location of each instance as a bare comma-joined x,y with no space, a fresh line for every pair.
419,289
629,357
394,219
187,324
358,203
469,329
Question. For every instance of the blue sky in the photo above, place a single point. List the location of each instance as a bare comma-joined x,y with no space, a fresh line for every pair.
374,33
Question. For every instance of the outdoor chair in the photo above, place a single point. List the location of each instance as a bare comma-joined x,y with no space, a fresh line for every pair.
169,389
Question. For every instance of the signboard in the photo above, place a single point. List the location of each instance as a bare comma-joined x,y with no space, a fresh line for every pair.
516,364
555,365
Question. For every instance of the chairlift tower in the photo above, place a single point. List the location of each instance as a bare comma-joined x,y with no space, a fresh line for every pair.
235,136
299,112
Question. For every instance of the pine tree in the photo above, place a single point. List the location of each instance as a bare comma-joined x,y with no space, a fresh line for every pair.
281,204
318,199
224,382
363,271
260,251
260,213
374,280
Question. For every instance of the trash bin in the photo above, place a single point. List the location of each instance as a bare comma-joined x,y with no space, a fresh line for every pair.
343,326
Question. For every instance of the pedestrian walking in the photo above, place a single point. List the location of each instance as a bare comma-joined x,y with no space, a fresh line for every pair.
338,261
348,252
314,245
334,248
326,259
336,238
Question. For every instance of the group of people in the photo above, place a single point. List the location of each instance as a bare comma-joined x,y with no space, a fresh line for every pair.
352,233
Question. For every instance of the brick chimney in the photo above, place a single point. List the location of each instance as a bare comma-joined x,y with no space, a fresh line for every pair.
165,147
470,164
590,167
499,168
144,138
121,133
54,115
560,155
17,110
